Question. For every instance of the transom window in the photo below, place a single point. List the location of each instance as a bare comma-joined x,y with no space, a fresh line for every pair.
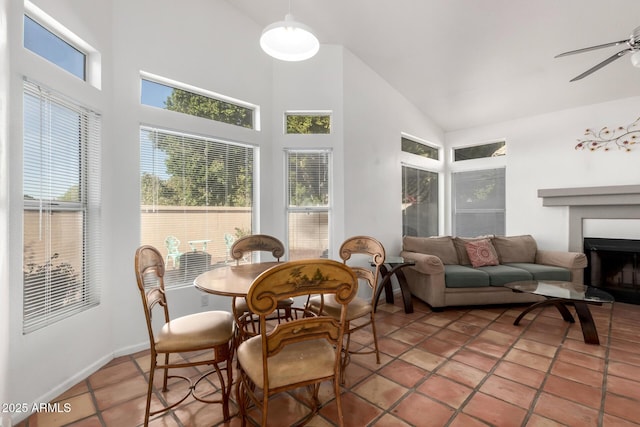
307,122
419,149
494,149
53,48
196,103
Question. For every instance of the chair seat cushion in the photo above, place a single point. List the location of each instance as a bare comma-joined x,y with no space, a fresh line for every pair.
296,363
196,331
357,308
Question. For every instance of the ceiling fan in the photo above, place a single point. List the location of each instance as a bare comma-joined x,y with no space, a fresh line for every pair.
633,45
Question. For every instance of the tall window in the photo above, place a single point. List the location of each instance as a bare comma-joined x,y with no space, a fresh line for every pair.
61,187
479,202
196,196
308,203
419,202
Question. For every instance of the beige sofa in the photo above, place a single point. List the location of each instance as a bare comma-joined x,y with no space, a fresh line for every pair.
443,275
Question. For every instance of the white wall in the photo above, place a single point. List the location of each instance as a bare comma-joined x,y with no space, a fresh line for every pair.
312,85
61,354
375,116
208,44
203,43
5,224
541,154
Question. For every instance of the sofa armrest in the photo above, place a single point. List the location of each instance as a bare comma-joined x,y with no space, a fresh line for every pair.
570,260
426,264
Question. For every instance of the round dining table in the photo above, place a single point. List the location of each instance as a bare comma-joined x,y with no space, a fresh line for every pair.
231,280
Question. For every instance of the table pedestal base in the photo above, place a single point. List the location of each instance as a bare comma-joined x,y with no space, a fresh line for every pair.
589,331
388,289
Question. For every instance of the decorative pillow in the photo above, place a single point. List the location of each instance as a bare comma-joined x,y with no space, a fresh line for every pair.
481,253
515,248
461,250
441,246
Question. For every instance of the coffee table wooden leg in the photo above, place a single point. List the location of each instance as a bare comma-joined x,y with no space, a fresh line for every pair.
589,331
558,303
406,292
564,311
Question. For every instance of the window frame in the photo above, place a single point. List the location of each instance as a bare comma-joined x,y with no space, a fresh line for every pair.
174,84
418,141
92,57
172,277
88,205
293,209
454,150
310,113
455,210
438,198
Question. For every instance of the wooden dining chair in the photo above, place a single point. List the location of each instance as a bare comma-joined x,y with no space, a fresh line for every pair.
360,312
210,332
240,250
299,353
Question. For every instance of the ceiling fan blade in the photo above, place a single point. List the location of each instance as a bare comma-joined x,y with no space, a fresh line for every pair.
588,49
609,60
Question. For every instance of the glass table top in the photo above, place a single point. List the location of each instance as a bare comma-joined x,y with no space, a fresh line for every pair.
559,289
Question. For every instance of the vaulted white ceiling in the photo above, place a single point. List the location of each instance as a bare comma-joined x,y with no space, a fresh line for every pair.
467,63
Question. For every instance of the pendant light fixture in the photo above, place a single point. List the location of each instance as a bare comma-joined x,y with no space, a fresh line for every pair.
289,40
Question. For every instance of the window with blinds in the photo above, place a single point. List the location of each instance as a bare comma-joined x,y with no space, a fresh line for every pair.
479,202
196,199
308,203
419,202
61,187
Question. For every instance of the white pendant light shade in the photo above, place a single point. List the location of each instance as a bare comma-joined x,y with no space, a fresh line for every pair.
635,58
289,40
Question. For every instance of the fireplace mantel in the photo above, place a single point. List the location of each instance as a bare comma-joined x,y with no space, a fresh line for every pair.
609,202
591,196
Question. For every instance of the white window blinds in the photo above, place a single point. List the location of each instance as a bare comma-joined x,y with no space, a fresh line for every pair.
419,202
479,202
308,203
196,198
61,187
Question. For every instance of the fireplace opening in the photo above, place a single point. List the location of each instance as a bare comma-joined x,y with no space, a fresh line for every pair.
614,266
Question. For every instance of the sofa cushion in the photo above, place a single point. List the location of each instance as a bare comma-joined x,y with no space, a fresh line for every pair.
515,248
461,250
544,272
442,247
460,276
481,253
501,274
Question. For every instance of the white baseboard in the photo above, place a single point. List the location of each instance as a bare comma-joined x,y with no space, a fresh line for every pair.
7,420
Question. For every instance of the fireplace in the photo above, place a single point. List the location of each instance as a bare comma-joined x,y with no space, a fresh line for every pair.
613,263
614,266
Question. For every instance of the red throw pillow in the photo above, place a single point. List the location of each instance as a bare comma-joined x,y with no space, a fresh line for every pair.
481,253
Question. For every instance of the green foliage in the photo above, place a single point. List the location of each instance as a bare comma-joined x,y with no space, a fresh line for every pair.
209,108
308,124
307,177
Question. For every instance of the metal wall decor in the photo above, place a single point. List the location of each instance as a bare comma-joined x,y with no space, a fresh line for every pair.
622,137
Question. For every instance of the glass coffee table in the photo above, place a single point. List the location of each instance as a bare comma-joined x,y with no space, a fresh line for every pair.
560,294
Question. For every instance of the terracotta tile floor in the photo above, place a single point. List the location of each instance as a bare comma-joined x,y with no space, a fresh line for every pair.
457,367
